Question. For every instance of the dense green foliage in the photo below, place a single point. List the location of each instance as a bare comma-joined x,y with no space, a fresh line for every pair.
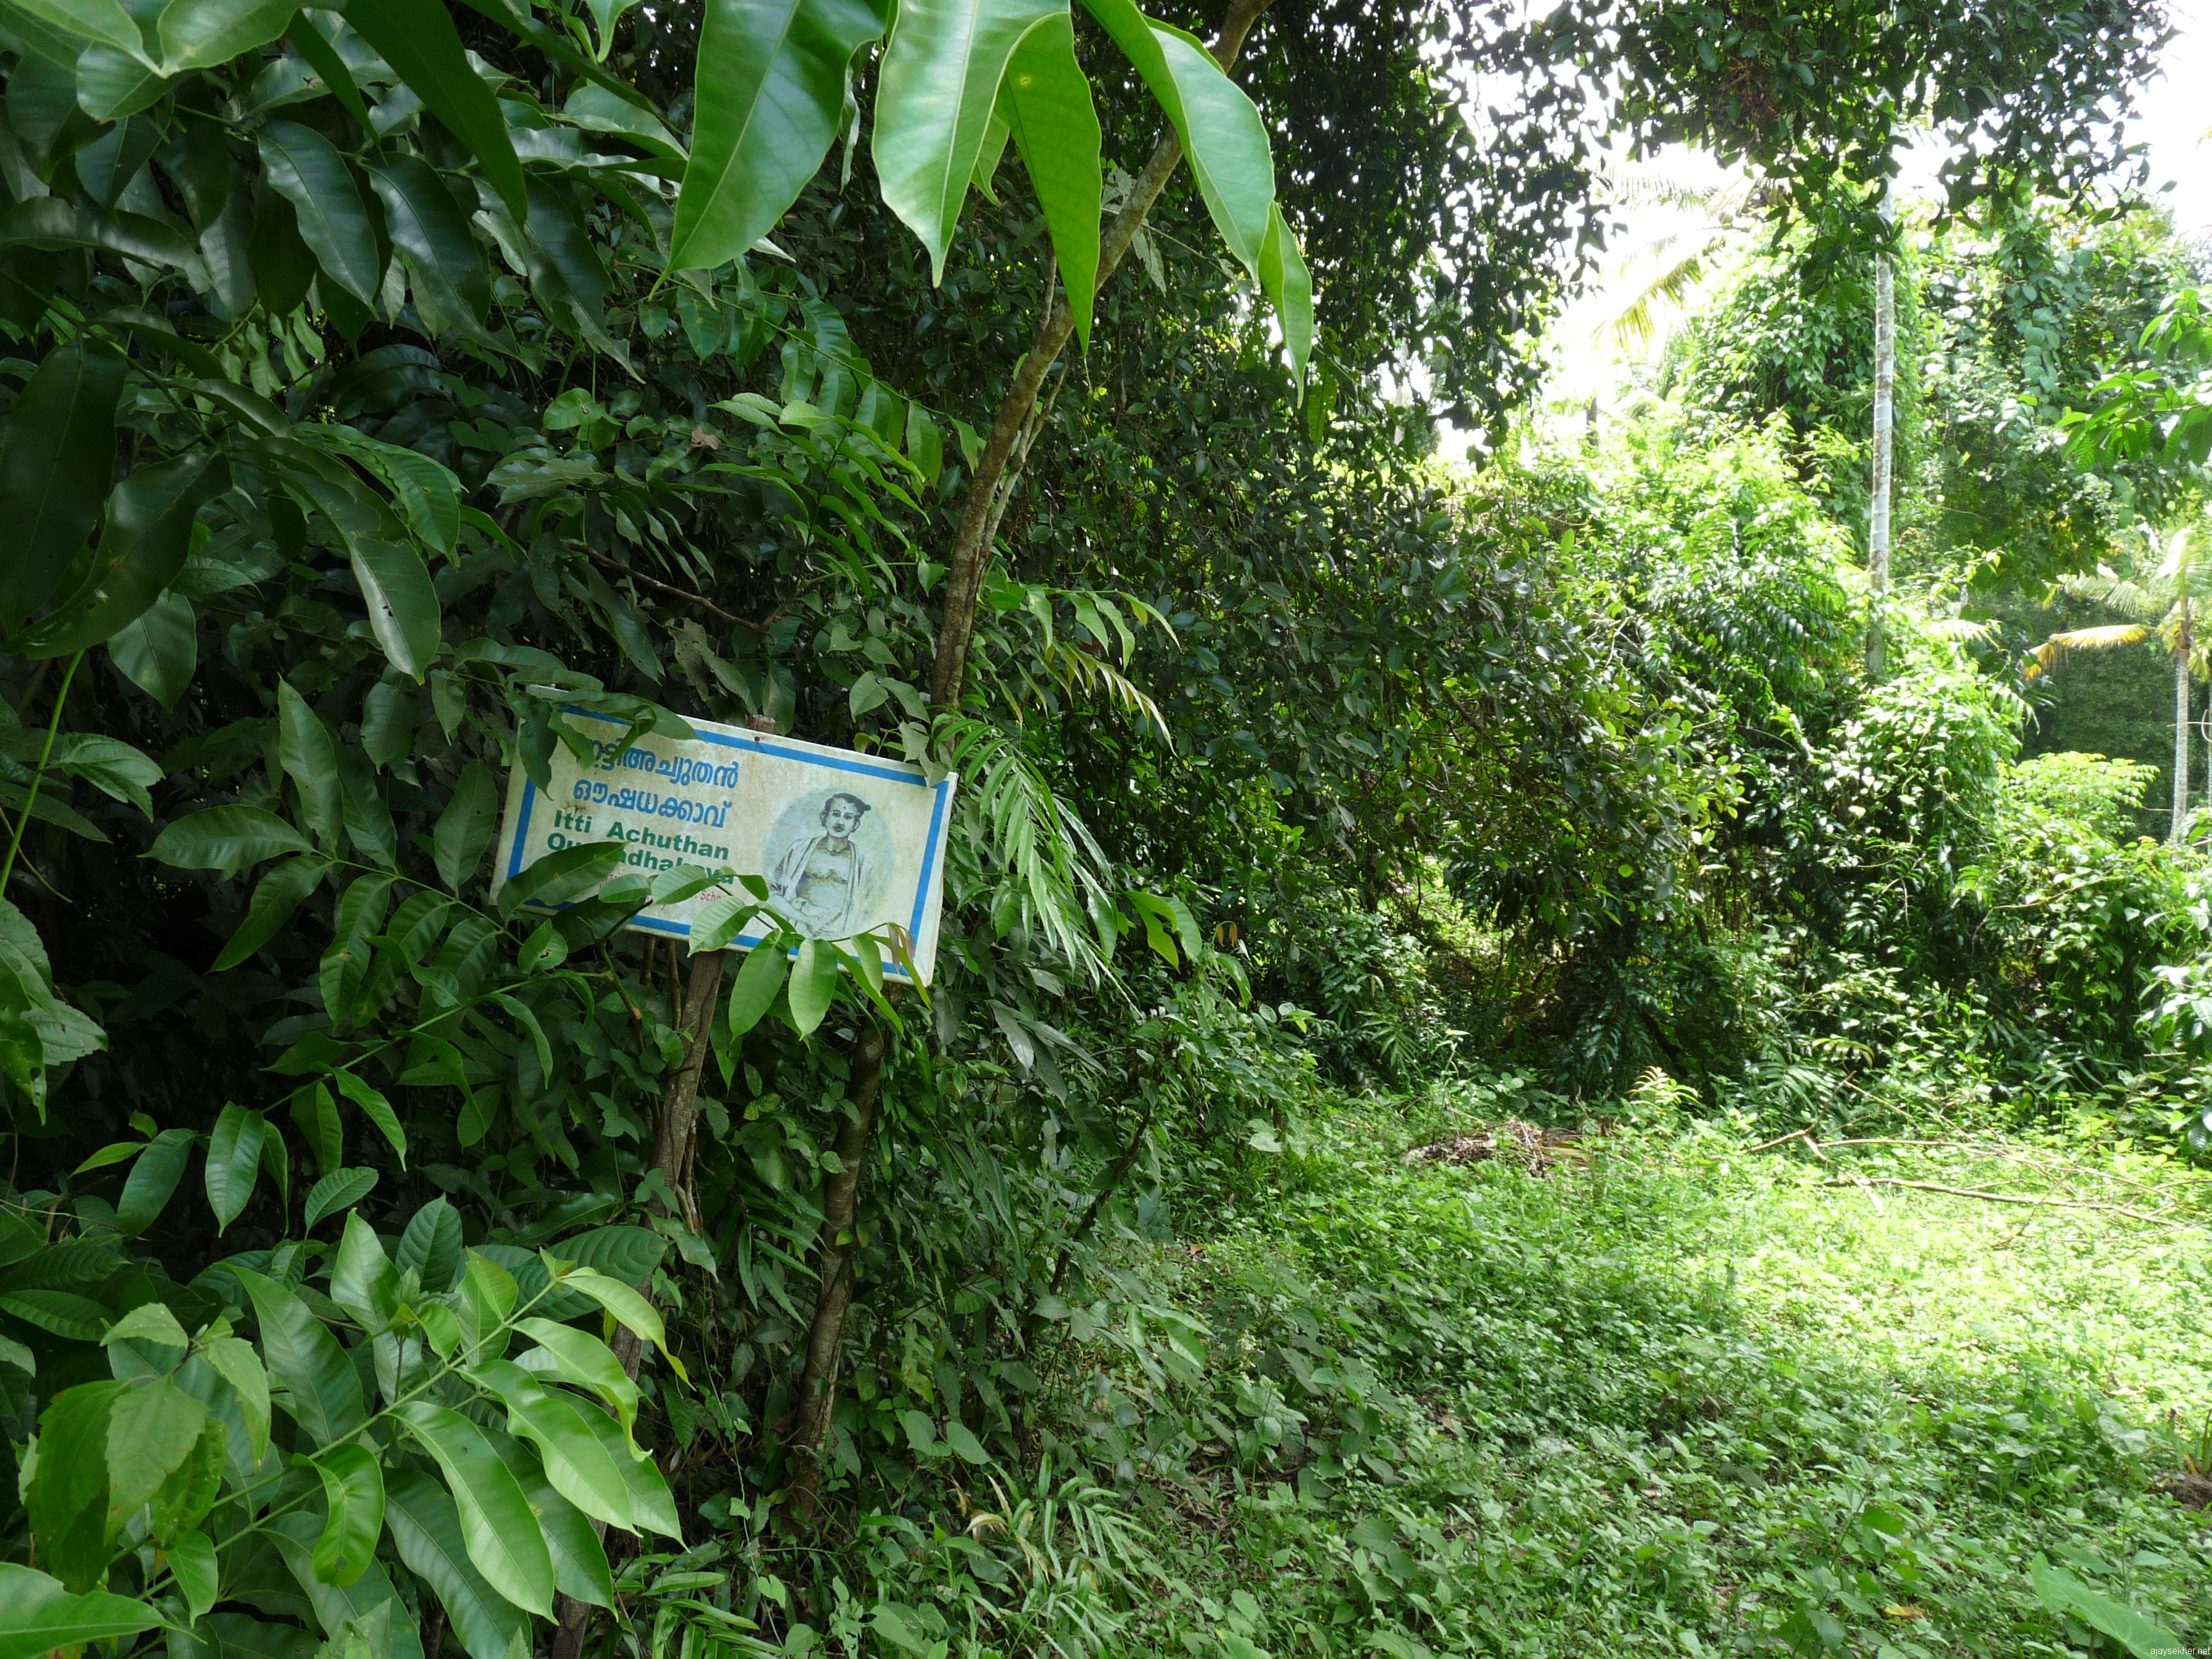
389,393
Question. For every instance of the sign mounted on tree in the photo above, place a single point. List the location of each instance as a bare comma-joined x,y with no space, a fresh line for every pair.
844,843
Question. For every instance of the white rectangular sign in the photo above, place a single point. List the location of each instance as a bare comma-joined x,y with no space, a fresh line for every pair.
846,841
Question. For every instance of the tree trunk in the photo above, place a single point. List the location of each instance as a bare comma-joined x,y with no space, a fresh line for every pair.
671,1156
1885,391
2180,724
1013,430
817,1381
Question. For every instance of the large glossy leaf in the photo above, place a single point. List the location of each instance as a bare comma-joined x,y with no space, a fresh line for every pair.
233,1160
279,894
39,1616
579,1560
336,1606
310,758
152,1428
631,1310
333,221
403,605
586,1361
340,1189
427,1529
651,1503
432,1245
813,984
65,1313
417,39
755,988
227,839
152,1181
771,92
363,1281
562,876
195,33
496,1524
48,222
67,1496
198,1575
142,546
59,463
322,1390
939,85
464,829
1047,104
1289,288
236,1362
243,1638
106,21
375,1108
353,1490
158,652
578,1466
1223,137
429,228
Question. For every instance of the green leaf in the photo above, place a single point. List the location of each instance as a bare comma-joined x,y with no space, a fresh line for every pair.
67,1497
588,1363
719,920
142,546
2062,1592
192,1561
56,471
158,652
236,1363
813,984
579,1560
427,1529
934,97
353,1487
375,1108
629,1254
771,94
149,1321
322,1390
561,876
233,1160
112,85
340,1189
317,1115
363,1281
63,1312
1047,103
200,34
1223,138
380,1623
961,1439
465,828
578,1466
39,1616
403,605
227,839
310,758
651,1503
432,1245
304,168
152,1181
502,1535
1289,288
92,20
152,1429
755,987
243,1638
430,230
417,39
278,895
629,1309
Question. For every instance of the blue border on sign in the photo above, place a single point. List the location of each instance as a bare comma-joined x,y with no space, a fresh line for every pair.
762,745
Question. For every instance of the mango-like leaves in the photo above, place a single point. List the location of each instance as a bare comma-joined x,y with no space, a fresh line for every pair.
1289,288
353,1489
152,1181
1222,134
501,1533
417,39
322,1389
142,546
464,828
59,461
1046,105
195,33
38,1615
938,88
227,839
403,606
233,1160
426,1528
771,93
310,174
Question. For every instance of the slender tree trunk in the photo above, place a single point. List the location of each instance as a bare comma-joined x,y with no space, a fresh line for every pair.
672,1158
971,543
817,1381
2180,724
1885,393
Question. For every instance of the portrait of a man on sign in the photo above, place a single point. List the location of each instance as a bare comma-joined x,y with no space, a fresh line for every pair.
826,868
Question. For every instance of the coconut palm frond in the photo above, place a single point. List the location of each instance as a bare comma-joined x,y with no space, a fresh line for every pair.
2139,599
1960,628
2045,657
1634,326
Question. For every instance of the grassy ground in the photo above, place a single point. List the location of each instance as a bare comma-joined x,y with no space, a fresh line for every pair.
1682,1401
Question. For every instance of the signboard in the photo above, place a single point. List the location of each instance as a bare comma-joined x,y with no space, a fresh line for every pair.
846,841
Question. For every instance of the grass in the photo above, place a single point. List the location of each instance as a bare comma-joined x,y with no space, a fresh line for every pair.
1684,1400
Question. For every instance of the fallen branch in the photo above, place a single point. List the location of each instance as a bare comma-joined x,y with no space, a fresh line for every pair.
1998,1198
675,592
1806,1135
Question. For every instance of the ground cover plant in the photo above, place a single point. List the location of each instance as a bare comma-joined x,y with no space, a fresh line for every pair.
393,1266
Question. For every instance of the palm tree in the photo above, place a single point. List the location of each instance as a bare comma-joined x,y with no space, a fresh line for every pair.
2165,606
